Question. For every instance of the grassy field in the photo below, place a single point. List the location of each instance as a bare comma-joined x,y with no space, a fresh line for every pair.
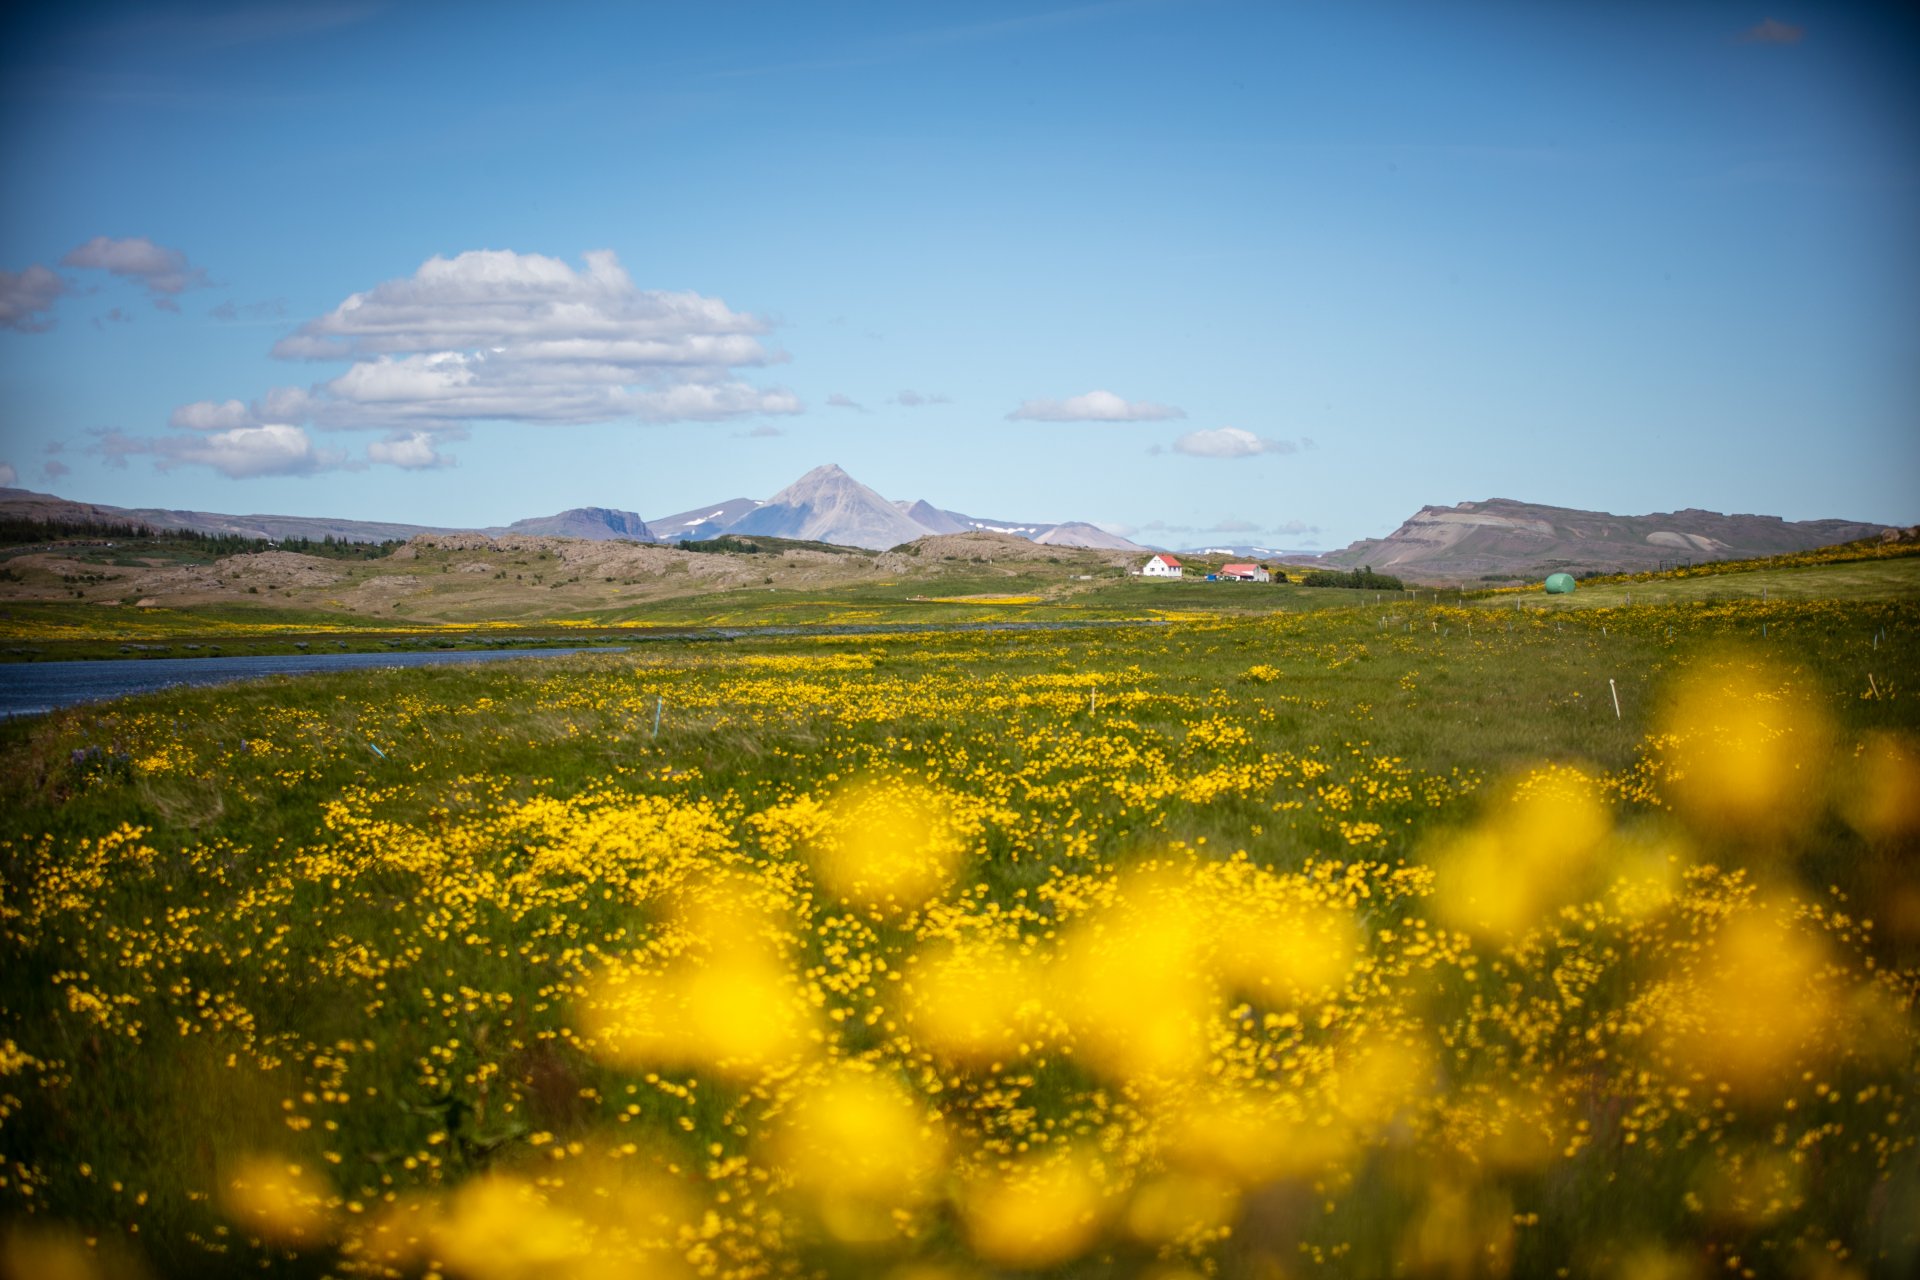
39,631
1273,940
1864,580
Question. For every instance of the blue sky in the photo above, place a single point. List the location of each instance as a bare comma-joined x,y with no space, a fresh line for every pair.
1278,273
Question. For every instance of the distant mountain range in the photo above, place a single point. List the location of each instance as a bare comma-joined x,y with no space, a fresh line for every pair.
1504,538
824,505
1498,538
24,504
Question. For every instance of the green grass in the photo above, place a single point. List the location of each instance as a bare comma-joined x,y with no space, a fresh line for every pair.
1860,580
257,897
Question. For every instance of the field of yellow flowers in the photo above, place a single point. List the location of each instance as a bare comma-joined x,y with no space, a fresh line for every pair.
1410,940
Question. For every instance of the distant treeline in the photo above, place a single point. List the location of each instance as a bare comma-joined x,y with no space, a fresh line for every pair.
761,544
16,531
1362,578
722,545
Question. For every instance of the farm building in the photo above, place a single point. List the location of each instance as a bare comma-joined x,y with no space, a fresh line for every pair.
1244,573
1162,566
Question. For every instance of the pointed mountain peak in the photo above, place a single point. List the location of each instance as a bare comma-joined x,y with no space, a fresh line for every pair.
821,480
828,505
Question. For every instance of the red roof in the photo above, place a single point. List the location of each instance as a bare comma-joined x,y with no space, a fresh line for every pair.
1166,559
1239,568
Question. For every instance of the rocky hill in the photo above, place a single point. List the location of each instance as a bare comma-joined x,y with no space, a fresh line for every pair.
1501,538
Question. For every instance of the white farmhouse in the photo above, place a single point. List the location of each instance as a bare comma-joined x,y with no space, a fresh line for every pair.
1162,566
1244,573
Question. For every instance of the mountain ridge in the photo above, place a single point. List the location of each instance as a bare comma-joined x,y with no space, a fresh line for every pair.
1504,537
1490,539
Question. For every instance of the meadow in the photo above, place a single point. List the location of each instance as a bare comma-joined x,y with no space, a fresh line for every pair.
1346,938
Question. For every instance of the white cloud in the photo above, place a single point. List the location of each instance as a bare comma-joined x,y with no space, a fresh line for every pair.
275,449
839,401
1235,526
411,451
8,476
520,338
55,469
25,295
1231,442
163,272
1095,406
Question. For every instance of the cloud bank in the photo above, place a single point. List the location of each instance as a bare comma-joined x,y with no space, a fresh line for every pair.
484,335
516,338
1094,406
242,453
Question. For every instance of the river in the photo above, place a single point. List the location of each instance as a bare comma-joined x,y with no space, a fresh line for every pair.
33,688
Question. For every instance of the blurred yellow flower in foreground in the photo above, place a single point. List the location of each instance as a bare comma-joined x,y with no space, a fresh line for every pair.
1041,1212
739,1014
727,999
1534,851
1745,751
1279,952
1249,1138
1758,1002
281,1203
890,843
55,1254
500,1228
1460,1232
1884,801
863,1152
1132,984
974,1003
1181,1206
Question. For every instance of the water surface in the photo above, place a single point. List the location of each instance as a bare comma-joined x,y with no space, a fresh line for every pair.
30,688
